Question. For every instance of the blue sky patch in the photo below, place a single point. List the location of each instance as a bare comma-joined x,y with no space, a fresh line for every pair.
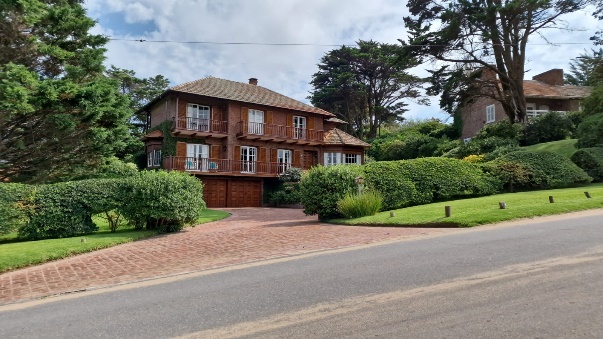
117,23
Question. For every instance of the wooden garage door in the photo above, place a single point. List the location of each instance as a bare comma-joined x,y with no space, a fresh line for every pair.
245,193
214,192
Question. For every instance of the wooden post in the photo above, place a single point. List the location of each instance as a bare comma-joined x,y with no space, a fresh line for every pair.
502,205
447,211
551,199
392,214
587,195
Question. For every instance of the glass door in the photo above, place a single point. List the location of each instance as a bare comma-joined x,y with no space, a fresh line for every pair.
196,157
256,122
248,159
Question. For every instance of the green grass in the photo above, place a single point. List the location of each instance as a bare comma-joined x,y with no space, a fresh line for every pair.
485,210
15,253
564,147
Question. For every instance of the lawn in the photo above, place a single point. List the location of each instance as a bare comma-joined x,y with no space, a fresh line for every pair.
485,210
564,147
15,253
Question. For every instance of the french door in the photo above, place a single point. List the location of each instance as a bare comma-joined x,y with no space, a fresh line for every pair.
249,156
284,160
197,117
196,157
256,122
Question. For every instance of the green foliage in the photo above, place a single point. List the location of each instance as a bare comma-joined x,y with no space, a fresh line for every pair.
545,170
162,200
591,161
593,104
393,180
500,151
586,69
502,129
286,192
12,213
565,147
552,126
483,146
322,187
411,147
353,205
168,147
291,174
590,132
511,174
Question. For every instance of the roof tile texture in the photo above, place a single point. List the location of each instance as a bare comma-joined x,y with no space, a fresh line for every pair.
339,137
538,89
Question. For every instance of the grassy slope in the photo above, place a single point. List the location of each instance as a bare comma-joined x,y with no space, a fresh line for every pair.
15,254
485,210
563,147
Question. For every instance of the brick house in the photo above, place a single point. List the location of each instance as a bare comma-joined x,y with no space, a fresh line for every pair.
238,137
544,93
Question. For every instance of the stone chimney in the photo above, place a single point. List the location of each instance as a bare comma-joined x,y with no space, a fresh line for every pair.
253,81
551,77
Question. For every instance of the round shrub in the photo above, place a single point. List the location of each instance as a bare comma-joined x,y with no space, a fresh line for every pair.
322,187
393,180
511,174
12,211
591,161
552,126
500,151
502,129
590,132
547,169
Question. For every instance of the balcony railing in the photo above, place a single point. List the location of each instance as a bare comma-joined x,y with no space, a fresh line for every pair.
202,125
532,113
245,128
204,165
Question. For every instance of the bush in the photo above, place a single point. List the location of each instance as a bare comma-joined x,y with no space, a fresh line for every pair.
284,194
545,169
500,151
393,180
162,200
590,132
411,147
511,174
484,146
552,126
591,161
503,129
12,213
322,187
355,206
291,174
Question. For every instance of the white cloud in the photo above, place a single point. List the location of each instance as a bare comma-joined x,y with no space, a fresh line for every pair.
285,69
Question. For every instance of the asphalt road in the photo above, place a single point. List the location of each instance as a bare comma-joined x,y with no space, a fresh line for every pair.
541,280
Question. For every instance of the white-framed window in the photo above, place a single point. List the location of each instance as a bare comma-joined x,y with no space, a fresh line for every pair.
256,122
490,114
284,159
332,159
299,127
249,156
154,158
349,158
196,157
197,117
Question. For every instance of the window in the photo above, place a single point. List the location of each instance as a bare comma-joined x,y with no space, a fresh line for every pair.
299,127
283,159
342,158
196,157
248,159
197,117
154,158
332,159
351,159
490,116
256,122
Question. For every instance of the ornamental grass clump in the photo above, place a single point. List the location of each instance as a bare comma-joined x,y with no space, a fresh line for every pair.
354,205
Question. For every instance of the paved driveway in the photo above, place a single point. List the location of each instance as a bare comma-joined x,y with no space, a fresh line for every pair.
250,234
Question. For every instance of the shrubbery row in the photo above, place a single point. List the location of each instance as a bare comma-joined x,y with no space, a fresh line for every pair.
153,199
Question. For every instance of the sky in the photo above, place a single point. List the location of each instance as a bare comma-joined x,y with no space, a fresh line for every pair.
326,24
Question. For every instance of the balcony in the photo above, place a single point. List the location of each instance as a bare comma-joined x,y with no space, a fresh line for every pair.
533,113
200,127
225,167
277,133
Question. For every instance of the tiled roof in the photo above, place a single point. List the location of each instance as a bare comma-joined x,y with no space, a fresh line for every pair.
238,91
538,89
337,120
155,134
339,137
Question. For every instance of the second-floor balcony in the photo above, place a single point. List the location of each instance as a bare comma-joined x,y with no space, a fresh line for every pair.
225,166
533,113
200,127
271,132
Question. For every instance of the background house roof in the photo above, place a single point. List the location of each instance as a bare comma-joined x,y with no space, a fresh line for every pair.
238,91
339,137
538,89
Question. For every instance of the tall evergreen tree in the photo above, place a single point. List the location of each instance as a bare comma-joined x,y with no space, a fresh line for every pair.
586,69
59,113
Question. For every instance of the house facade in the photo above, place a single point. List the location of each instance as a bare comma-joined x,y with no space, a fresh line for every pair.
237,138
546,92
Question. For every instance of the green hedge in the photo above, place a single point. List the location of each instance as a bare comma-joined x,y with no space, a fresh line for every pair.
591,161
322,187
590,132
393,180
544,169
12,213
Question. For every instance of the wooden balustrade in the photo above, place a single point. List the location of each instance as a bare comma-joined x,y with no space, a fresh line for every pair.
245,128
204,165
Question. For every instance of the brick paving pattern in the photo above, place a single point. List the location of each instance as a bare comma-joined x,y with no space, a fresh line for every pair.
250,234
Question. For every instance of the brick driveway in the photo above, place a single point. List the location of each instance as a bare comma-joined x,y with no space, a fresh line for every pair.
250,234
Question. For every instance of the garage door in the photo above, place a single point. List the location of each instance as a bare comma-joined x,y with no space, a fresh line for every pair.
214,192
245,193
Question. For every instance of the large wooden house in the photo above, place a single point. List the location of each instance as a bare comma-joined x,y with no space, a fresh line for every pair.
238,137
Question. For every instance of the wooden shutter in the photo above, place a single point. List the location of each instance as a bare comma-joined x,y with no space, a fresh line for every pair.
270,117
236,157
181,149
289,120
274,155
263,154
216,113
244,114
182,107
296,158
310,122
215,153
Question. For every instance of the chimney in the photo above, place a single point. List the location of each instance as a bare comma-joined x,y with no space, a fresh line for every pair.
253,81
551,77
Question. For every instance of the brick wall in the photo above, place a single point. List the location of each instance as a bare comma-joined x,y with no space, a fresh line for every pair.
551,77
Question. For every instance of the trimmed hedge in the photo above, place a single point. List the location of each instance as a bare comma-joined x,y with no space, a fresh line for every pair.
591,161
545,170
12,213
393,180
322,187
590,132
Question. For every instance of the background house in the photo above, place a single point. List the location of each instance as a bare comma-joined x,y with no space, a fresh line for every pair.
544,93
237,137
